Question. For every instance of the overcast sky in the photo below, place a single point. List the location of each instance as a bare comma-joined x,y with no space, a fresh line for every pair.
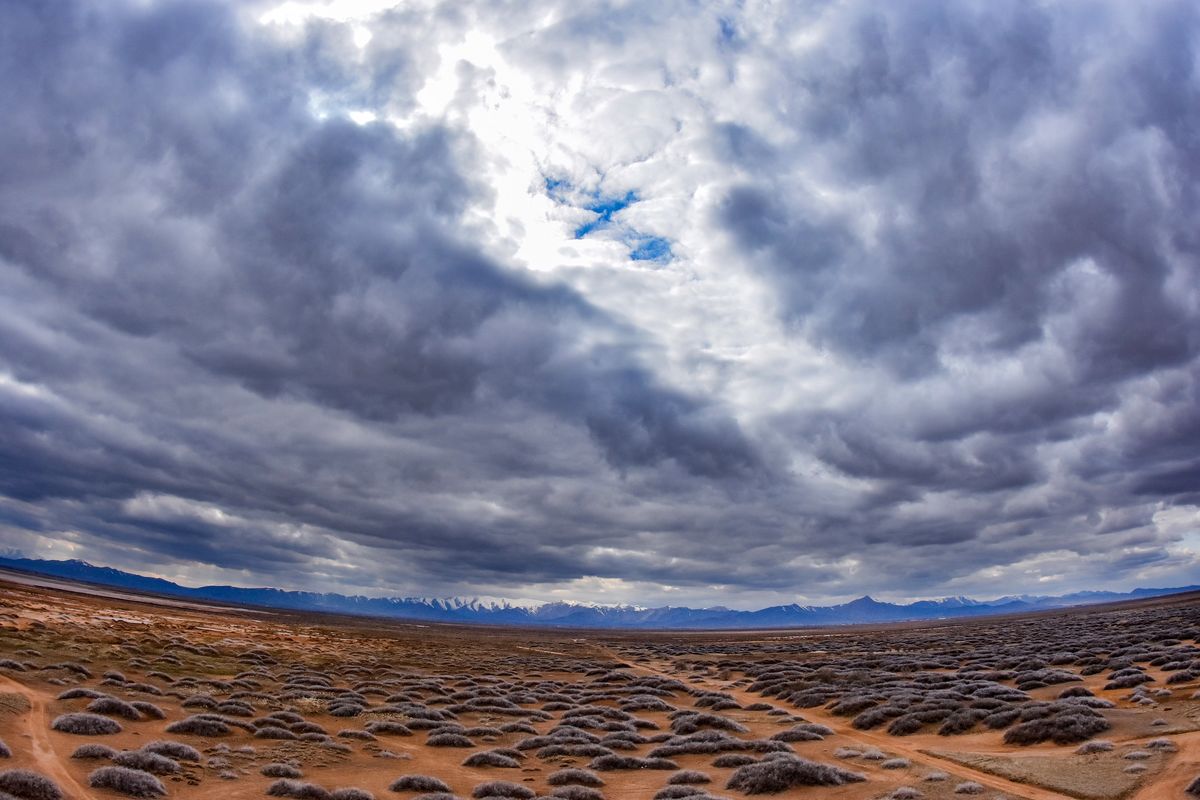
685,302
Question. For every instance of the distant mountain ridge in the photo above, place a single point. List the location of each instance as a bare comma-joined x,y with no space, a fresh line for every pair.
576,615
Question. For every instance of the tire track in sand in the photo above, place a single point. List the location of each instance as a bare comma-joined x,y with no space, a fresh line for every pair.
45,759
842,728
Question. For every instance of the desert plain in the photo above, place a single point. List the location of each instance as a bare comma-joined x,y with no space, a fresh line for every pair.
109,695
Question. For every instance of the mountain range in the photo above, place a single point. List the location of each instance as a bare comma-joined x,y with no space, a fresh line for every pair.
575,615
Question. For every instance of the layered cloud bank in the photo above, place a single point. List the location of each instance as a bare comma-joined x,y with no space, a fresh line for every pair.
667,303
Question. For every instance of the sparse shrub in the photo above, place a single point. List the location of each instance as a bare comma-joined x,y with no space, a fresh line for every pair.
896,763
199,701
490,758
418,783
449,740
1002,718
733,760
272,732
133,782
1193,788
29,785
146,762
286,787
1094,746
679,792
80,691
199,725
350,733
4,751
574,776
83,723
278,770
148,710
176,750
969,787
503,789
905,793
389,728
577,793
689,776
903,726
1061,729
93,750
351,793
778,775
113,705
1128,681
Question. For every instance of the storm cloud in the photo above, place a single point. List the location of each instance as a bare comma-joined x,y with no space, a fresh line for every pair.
724,303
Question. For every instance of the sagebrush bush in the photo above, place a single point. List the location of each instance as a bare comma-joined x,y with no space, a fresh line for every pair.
574,776
1094,746
286,787
449,740
351,793
114,706
489,758
797,735
689,776
733,760
4,751
146,762
503,789
199,726
83,723
576,792
781,774
418,783
93,750
133,782
29,785
176,750
1061,729
272,732
148,710
278,770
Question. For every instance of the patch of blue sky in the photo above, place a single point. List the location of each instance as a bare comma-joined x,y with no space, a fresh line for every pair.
641,246
555,188
651,248
604,208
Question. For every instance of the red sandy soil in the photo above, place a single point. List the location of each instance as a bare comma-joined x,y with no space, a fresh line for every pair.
108,631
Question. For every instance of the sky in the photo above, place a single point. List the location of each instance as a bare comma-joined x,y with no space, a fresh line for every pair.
682,302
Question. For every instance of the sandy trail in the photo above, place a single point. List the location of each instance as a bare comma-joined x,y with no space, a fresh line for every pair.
883,742
1182,769
37,725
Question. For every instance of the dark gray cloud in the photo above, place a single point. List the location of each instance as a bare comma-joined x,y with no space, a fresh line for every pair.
248,333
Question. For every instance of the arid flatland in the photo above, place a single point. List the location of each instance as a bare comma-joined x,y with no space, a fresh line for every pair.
107,696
